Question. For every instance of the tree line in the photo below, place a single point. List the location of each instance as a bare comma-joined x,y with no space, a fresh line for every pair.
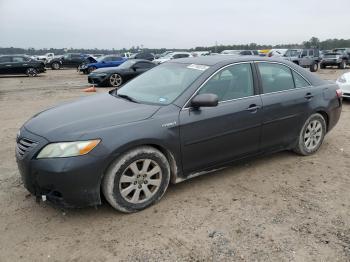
314,42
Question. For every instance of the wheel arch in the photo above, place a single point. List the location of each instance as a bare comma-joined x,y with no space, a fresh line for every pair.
174,163
325,116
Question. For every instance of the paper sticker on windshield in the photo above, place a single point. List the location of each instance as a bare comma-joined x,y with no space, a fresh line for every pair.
198,67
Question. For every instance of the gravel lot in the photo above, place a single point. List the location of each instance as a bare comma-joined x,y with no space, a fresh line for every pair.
282,207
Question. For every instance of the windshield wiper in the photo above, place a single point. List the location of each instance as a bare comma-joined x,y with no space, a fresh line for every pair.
126,97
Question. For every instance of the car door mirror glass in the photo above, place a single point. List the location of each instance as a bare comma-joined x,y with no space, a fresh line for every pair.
205,100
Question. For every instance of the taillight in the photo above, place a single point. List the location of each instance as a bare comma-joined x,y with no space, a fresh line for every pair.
339,93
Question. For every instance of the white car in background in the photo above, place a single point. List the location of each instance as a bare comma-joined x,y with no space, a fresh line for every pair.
344,83
170,56
276,52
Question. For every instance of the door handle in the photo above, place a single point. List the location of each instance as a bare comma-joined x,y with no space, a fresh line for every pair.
308,96
253,108
8,65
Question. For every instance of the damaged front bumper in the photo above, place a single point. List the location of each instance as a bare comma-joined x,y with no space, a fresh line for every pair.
68,182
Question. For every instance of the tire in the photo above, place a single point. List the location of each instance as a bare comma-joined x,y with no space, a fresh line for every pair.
342,64
314,67
31,72
311,135
115,80
126,185
90,69
55,66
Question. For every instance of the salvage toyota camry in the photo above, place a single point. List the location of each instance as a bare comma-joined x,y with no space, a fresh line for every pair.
181,119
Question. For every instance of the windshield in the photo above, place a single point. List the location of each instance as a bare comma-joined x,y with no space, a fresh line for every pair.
169,55
162,84
127,64
101,58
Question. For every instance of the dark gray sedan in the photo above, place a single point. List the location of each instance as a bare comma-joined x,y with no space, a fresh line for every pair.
117,76
178,120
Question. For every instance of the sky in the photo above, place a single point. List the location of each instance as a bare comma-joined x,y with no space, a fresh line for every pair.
168,23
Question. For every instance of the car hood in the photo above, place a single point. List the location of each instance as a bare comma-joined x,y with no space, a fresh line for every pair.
73,120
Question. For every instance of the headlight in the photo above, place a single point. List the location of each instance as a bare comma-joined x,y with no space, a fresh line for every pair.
68,149
341,79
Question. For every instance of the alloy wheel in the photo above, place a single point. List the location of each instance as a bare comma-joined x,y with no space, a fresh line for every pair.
313,135
115,80
140,181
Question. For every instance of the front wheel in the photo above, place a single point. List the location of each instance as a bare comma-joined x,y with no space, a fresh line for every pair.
90,69
137,179
31,72
311,135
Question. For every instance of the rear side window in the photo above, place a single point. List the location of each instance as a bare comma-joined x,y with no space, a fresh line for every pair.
275,77
5,59
299,81
233,82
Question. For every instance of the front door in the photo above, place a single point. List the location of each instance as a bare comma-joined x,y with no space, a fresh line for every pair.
215,135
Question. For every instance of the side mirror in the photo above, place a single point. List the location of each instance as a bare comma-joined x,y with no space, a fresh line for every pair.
205,100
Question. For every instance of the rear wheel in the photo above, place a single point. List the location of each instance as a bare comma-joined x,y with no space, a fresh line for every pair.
115,80
311,135
55,66
314,67
342,65
136,180
31,72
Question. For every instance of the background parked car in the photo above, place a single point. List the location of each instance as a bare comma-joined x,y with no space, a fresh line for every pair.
116,76
71,60
173,55
104,61
344,84
240,52
162,54
276,52
20,64
307,58
338,57
143,55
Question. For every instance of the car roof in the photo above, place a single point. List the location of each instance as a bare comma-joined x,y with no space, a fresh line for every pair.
218,59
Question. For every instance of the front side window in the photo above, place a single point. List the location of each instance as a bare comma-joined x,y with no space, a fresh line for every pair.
232,82
5,59
275,77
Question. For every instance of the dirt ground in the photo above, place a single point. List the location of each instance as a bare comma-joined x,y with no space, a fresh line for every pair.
278,208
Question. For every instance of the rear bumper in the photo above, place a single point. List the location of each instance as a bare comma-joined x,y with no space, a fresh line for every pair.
334,116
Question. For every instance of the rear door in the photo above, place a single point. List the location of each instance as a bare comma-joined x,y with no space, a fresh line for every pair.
285,97
19,64
215,135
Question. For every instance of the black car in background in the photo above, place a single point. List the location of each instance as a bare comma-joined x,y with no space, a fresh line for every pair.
20,64
183,118
70,60
116,76
143,55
